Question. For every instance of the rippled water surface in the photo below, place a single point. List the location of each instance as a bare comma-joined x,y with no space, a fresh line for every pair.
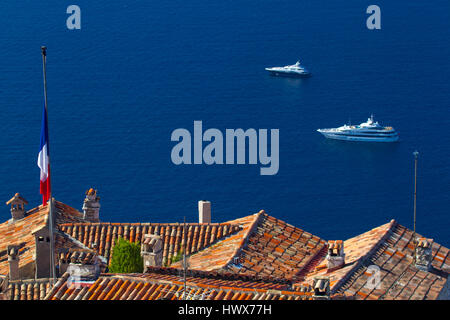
136,71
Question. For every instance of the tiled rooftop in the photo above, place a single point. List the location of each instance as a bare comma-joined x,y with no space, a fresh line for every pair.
389,248
102,237
220,254
218,278
265,246
277,249
157,286
66,214
78,256
400,278
28,289
254,257
20,232
356,249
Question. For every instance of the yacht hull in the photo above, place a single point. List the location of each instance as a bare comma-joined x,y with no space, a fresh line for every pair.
346,137
289,74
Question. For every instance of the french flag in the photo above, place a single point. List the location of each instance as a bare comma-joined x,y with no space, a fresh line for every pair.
44,160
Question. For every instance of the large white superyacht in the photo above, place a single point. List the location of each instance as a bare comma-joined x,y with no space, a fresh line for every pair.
369,131
295,70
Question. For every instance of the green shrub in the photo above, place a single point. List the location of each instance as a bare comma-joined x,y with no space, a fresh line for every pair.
178,256
126,257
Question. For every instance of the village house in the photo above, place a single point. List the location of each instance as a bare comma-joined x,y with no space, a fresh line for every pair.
256,257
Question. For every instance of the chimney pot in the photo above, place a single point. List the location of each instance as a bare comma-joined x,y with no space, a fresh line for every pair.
321,287
63,261
13,260
17,206
151,251
204,211
91,206
424,254
336,255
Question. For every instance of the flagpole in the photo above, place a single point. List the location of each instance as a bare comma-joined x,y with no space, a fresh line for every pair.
50,203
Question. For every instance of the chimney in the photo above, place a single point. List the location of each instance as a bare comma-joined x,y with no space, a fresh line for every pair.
321,286
63,261
13,260
42,252
336,255
151,251
424,254
91,206
17,206
204,211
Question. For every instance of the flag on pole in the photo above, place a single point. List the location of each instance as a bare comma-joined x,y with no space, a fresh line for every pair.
44,160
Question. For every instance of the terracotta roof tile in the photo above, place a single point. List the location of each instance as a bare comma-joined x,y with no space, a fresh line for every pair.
78,256
265,246
158,285
20,232
28,289
254,257
222,252
390,248
102,237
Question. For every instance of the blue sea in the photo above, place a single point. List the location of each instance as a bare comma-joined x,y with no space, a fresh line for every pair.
137,70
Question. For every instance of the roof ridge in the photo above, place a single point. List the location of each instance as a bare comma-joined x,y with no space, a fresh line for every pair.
34,210
64,204
40,209
80,244
341,282
314,261
234,288
219,274
246,235
132,224
27,281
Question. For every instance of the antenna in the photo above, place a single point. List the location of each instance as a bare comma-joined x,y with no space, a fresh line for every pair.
416,156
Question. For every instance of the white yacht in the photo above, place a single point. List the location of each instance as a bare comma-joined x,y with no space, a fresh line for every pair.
295,70
368,131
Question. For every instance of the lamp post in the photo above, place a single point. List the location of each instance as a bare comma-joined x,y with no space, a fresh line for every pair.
184,259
